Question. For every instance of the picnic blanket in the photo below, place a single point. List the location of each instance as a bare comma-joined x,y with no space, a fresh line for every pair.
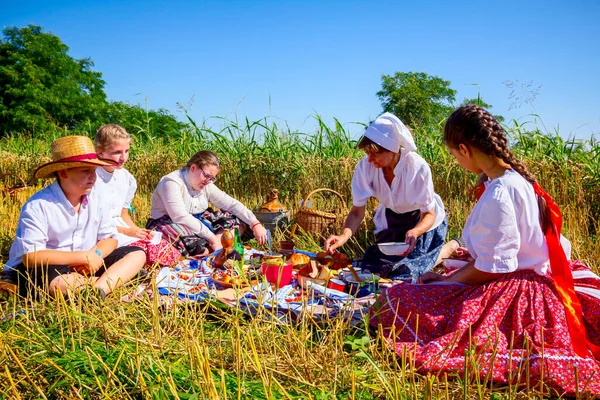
190,280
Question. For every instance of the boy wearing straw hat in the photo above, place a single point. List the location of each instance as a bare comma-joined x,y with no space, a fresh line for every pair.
64,239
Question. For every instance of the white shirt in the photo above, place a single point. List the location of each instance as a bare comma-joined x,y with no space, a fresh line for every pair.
503,232
175,197
116,189
411,189
49,222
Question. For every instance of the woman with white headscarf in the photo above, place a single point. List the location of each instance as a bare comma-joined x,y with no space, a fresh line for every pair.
409,210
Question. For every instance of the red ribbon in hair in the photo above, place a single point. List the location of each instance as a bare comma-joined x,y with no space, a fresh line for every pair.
561,273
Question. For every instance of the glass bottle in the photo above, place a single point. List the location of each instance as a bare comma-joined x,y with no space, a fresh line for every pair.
237,243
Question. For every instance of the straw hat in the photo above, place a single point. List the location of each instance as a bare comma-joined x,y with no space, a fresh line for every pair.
70,152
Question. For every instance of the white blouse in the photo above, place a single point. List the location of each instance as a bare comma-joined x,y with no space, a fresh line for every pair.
175,197
48,221
117,190
503,232
411,189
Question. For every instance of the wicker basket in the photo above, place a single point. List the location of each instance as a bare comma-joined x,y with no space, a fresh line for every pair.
11,188
315,221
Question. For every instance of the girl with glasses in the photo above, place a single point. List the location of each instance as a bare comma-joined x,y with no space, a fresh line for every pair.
180,208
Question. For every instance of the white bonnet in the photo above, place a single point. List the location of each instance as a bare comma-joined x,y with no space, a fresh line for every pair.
390,133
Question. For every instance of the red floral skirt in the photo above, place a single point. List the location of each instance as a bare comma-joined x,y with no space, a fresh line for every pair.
164,253
512,330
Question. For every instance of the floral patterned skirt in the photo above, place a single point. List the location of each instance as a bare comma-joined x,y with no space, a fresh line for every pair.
163,254
512,330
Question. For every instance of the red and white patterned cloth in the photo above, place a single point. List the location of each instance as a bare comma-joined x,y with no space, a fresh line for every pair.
163,253
515,327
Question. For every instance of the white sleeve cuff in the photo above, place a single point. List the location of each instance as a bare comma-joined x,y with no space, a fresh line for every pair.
428,207
496,266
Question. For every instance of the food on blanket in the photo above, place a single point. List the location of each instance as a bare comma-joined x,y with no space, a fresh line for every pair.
272,204
295,297
229,278
185,275
272,259
324,274
299,260
253,263
311,269
334,261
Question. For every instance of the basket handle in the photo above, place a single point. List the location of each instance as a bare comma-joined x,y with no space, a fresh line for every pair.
18,176
324,190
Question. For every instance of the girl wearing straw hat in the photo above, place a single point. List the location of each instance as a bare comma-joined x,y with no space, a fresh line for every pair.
64,238
409,210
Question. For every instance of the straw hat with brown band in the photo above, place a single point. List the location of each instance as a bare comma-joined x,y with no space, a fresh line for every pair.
70,152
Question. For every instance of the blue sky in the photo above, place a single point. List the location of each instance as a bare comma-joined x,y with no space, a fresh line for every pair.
291,59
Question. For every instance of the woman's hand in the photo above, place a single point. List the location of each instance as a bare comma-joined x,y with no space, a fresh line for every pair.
335,241
260,233
430,277
215,243
411,239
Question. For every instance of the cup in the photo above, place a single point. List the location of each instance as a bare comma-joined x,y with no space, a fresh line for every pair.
336,284
368,285
156,237
286,247
279,275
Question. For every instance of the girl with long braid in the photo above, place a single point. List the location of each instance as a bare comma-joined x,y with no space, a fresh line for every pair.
528,314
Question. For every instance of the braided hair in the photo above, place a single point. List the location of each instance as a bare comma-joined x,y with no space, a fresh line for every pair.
474,126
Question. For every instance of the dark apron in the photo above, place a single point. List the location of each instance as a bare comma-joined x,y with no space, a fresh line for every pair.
398,224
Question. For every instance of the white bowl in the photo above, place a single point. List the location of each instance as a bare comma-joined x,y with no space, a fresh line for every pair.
393,248
454,263
363,277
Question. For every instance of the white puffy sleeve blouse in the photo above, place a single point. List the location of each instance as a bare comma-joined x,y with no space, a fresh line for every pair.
411,189
503,231
175,197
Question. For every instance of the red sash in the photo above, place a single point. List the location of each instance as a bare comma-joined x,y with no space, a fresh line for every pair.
561,273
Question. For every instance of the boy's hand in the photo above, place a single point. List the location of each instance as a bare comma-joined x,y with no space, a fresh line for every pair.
94,261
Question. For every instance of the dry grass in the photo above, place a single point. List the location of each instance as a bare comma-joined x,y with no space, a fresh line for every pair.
59,349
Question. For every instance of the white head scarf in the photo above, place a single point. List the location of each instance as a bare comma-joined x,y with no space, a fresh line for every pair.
390,133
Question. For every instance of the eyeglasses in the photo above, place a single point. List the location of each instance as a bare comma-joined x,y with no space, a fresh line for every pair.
208,177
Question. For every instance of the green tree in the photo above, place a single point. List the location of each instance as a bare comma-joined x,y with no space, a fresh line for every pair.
42,85
144,124
416,97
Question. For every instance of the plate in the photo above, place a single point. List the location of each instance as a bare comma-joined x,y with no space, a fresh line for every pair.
224,284
393,248
302,279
